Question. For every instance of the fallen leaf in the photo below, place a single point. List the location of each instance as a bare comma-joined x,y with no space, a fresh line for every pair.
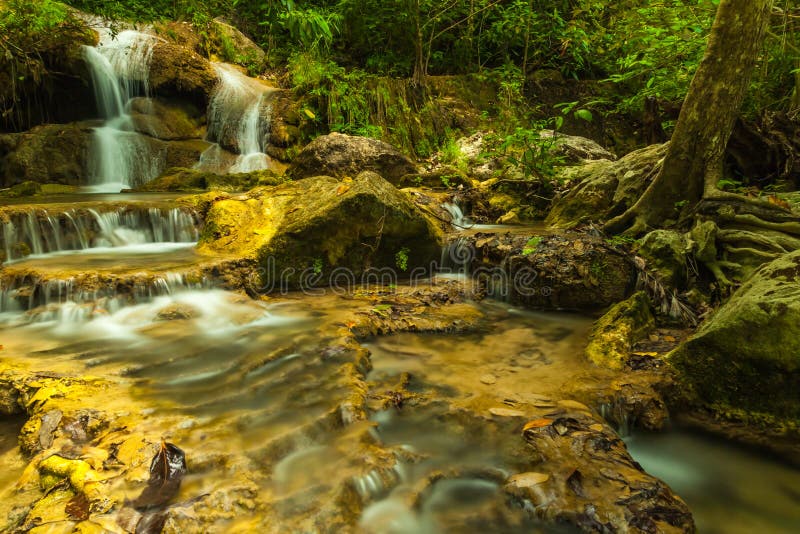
166,473
537,423
342,189
526,480
651,354
77,508
596,427
669,338
309,113
506,412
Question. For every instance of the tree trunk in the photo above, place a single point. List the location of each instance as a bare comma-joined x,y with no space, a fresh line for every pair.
693,164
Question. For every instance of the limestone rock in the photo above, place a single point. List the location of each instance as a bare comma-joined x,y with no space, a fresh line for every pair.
615,333
169,120
183,179
176,71
575,149
747,355
48,153
665,252
342,155
299,232
603,187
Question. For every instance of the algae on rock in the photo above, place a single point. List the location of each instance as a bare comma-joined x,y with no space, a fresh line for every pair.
615,333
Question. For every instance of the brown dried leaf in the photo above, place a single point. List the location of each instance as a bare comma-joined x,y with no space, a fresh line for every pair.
77,508
537,423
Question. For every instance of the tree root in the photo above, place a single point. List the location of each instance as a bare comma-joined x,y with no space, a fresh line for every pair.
768,256
774,244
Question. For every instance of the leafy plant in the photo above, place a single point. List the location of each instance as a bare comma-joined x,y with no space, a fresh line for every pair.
401,258
531,245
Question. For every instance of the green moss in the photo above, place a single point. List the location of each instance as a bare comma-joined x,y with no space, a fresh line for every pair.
614,334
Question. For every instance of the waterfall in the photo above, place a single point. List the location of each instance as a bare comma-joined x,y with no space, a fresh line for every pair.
119,156
38,232
238,118
457,217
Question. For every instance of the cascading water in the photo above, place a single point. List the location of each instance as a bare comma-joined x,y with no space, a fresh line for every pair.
238,118
119,156
38,233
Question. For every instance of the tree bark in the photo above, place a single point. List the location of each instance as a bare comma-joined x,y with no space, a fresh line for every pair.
693,164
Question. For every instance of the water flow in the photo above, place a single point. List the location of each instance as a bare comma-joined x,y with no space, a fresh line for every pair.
238,119
457,217
119,156
37,233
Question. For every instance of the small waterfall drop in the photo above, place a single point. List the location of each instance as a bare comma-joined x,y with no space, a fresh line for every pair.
238,118
37,232
119,156
457,217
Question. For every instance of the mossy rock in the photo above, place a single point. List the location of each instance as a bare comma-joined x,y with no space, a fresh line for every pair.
666,254
300,232
615,333
603,187
25,189
179,72
189,180
169,120
747,355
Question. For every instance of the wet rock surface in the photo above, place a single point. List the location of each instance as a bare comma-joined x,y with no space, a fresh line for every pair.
573,271
342,155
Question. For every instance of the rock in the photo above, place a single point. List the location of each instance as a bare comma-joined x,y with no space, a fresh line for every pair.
665,252
177,71
183,179
602,187
176,312
177,153
299,232
488,379
342,155
566,271
234,46
615,333
574,149
746,356
445,176
49,153
169,120
592,481
25,189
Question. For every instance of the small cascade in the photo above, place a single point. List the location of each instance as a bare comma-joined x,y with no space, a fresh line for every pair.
70,301
38,233
457,217
457,256
238,118
119,156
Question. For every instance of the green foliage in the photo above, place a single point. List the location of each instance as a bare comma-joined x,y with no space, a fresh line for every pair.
401,258
316,266
531,245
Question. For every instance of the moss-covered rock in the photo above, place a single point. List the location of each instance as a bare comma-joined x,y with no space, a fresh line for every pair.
183,179
747,355
575,149
604,188
342,155
299,232
615,333
50,153
169,120
665,252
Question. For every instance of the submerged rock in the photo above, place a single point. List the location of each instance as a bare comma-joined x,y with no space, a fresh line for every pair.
301,232
342,155
746,357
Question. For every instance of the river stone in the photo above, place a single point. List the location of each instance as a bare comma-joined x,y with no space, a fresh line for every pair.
299,232
341,155
56,153
615,333
747,355
177,71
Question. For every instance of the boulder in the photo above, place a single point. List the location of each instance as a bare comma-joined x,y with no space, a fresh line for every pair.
185,153
575,149
176,71
603,188
665,252
169,120
234,46
49,153
342,155
615,333
573,271
746,357
299,232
